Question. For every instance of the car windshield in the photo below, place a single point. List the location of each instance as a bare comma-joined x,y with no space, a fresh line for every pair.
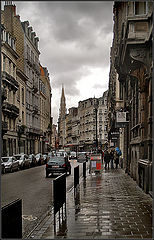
59,160
7,159
18,157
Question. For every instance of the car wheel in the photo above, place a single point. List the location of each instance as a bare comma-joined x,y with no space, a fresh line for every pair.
11,170
3,171
47,175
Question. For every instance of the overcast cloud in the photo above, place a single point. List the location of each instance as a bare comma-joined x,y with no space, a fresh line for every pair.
75,40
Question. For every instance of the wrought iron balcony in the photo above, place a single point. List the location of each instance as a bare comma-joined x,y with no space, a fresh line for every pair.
4,94
4,126
7,79
35,109
35,87
10,109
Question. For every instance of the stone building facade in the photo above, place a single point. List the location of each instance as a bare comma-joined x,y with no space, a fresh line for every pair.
10,109
132,59
32,71
26,68
72,129
92,115
45,110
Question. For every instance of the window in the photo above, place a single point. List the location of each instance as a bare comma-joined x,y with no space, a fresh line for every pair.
13,97
23,96
9,123
14,125
120,91
4,62
13,70
7,37
140,8
22,117
10,67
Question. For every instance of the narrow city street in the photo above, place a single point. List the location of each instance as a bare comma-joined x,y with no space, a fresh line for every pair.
107,206
76,103
35,190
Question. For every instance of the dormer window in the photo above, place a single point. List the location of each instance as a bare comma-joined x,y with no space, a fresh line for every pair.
140,8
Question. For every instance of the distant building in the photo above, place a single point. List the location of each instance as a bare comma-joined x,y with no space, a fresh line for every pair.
45,110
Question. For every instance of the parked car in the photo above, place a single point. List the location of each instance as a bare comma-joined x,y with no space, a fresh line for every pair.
2,167
33,161
58,164
39,159
72,155
61,154
10,164
24,160
81,157
46,158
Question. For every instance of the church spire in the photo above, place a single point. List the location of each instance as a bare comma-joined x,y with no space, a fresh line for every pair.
62,104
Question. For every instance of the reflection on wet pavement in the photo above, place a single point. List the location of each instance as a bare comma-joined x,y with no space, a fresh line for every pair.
107,206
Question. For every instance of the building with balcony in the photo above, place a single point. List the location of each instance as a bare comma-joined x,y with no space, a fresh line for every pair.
92,115
10,109
45,110
132,46
72,129
32,71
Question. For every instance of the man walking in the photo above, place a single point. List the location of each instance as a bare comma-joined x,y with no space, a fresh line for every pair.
106,159
112,158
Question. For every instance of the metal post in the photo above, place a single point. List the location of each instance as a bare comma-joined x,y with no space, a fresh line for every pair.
96,130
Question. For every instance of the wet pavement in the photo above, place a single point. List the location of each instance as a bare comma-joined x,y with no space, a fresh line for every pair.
110,205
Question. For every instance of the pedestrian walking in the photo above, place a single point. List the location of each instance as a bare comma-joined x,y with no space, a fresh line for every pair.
112,158
116,159
106,159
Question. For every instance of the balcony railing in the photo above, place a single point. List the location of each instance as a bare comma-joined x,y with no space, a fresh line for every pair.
4,126
35,109
10,109
35,87
4,94
9,80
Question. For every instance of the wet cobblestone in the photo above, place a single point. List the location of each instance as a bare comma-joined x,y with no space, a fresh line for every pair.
107,207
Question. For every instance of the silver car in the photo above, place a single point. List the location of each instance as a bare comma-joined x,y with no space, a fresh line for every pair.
10,164
24,160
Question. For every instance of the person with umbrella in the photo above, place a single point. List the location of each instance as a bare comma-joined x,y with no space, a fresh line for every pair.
117,155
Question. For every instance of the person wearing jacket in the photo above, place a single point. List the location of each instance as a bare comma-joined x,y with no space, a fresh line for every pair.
106,159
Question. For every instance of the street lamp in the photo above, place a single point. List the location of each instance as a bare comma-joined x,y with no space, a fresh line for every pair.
96,110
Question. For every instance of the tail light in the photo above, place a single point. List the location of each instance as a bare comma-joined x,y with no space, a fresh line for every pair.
46,165
64,165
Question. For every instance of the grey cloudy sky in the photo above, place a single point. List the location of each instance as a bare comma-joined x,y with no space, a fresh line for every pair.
75,40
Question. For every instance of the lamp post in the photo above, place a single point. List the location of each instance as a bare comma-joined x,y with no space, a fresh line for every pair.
96,110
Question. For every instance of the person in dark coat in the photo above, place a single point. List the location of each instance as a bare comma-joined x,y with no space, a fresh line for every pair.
117,159
112,158
106,159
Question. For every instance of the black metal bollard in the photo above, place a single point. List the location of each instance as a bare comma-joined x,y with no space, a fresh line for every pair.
12,220
84,169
